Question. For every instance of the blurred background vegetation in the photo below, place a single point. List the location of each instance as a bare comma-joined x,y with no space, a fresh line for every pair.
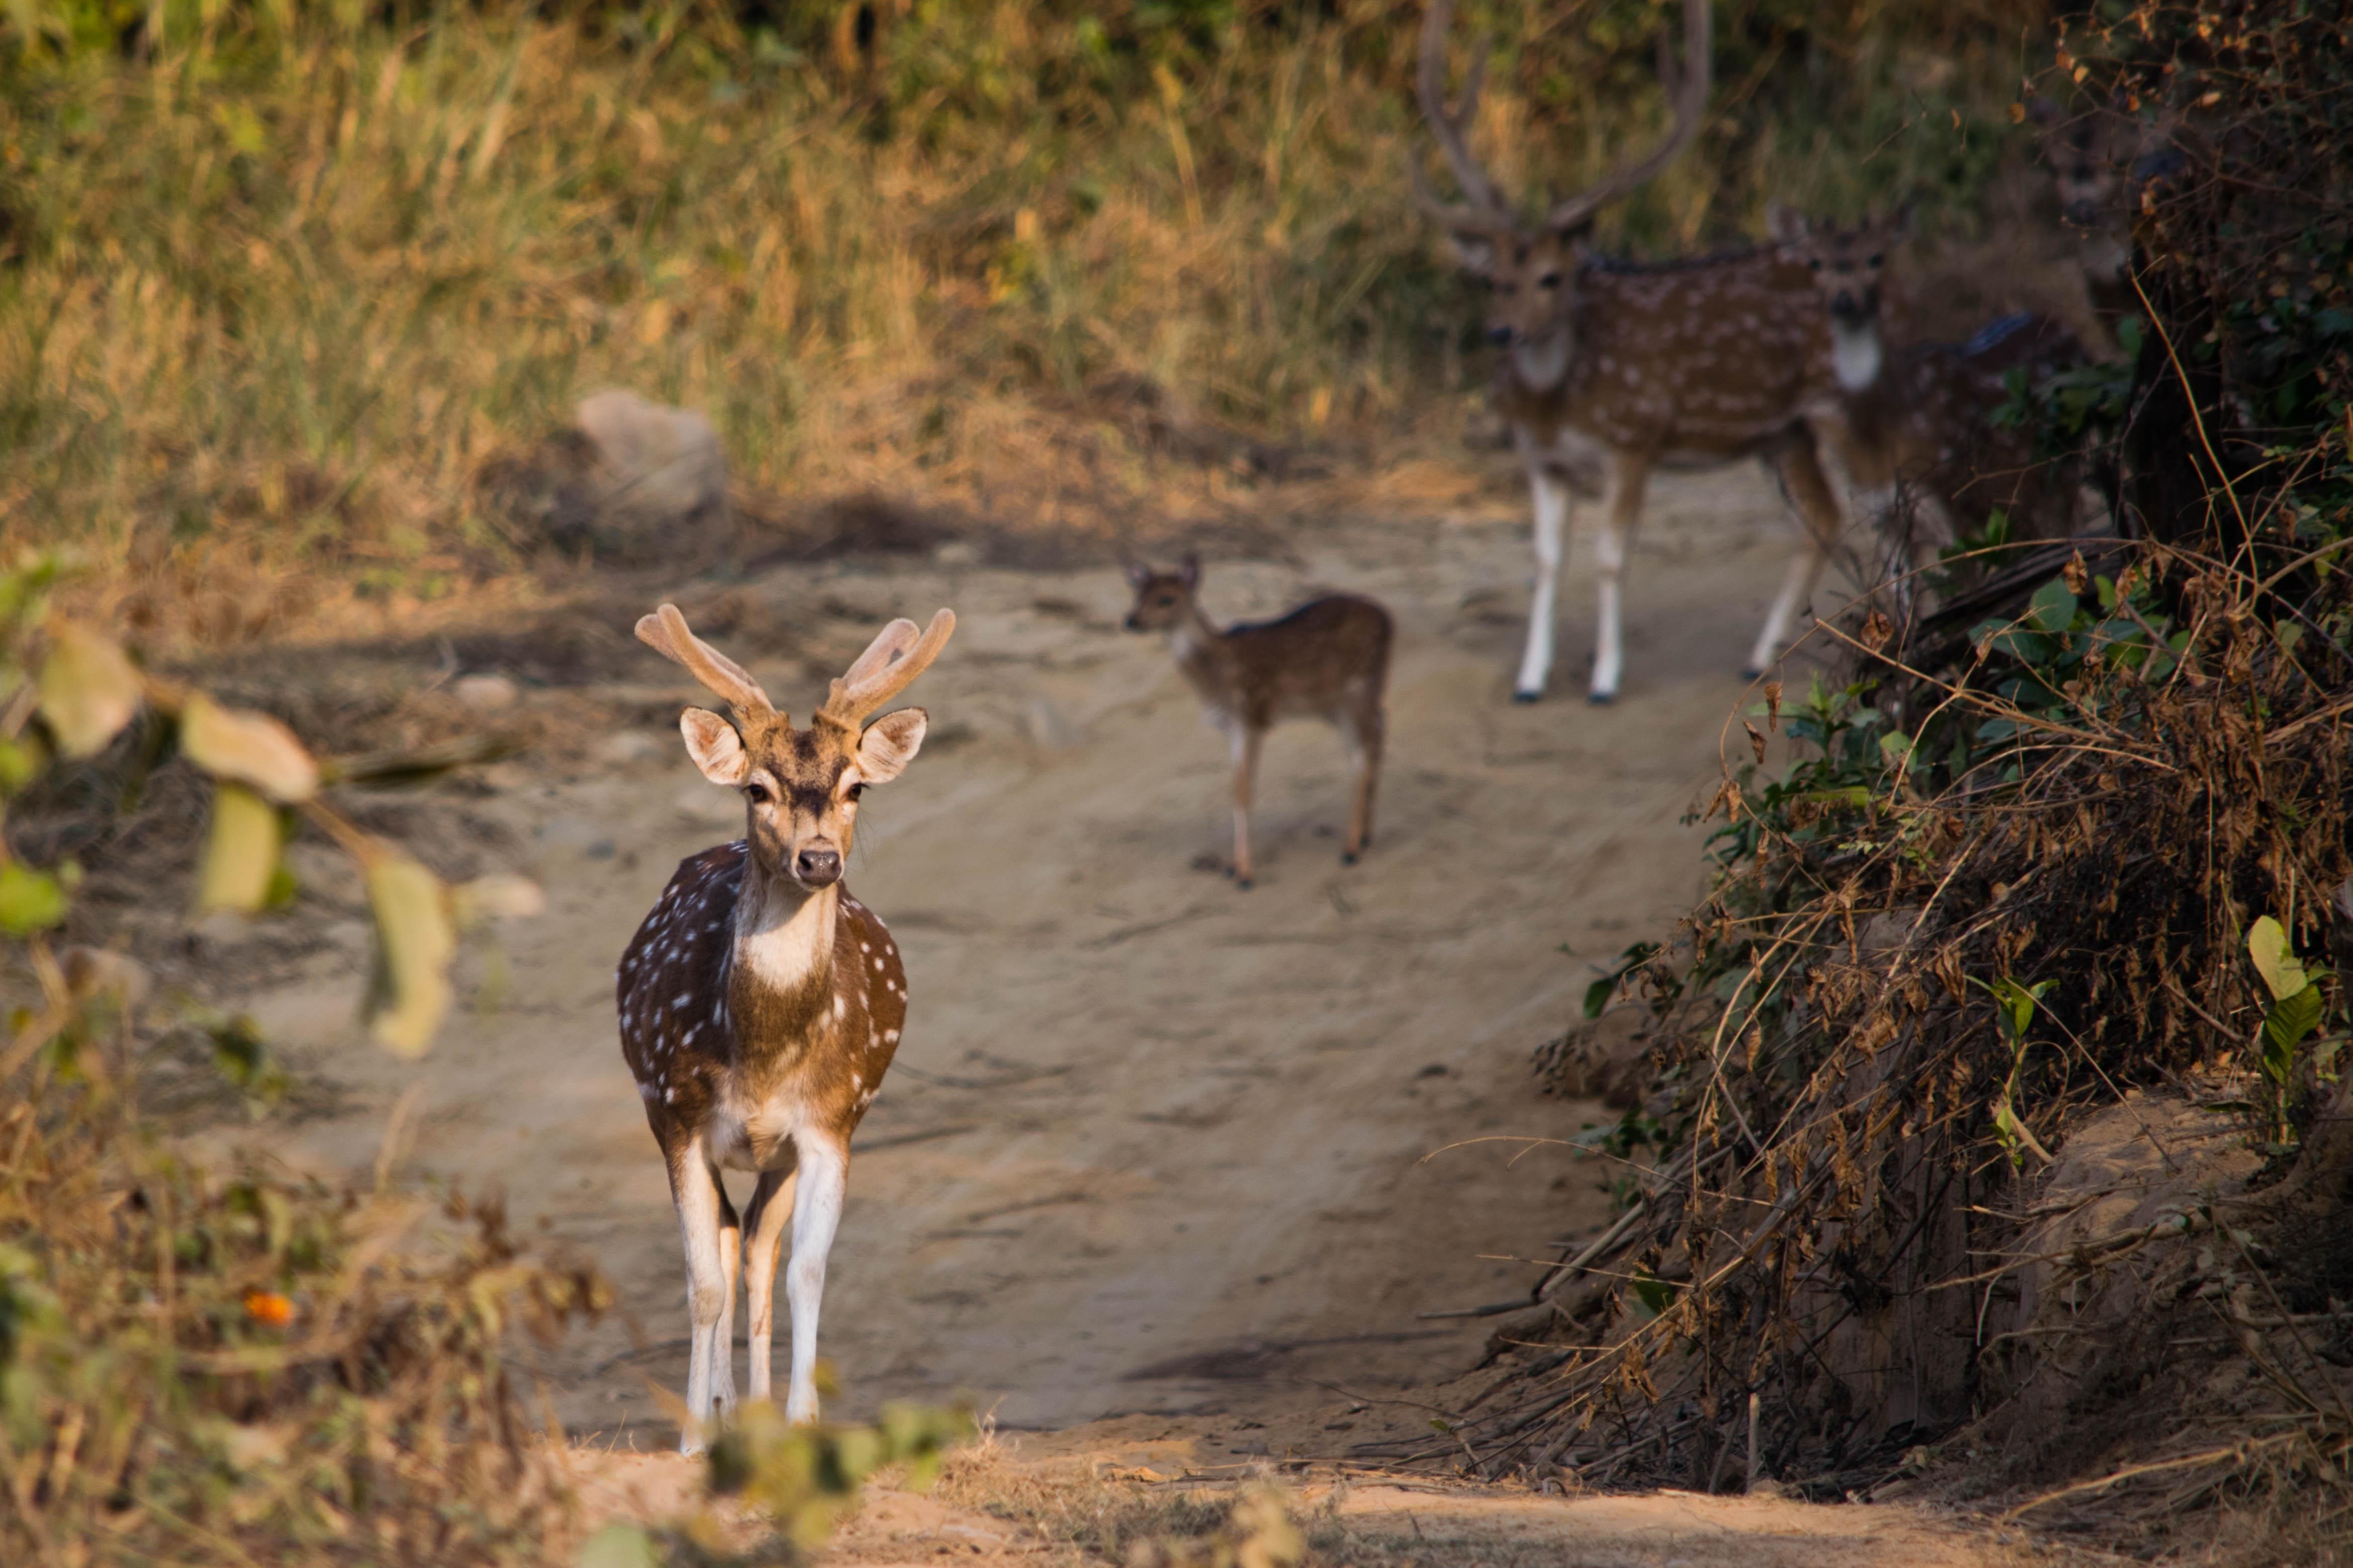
277,280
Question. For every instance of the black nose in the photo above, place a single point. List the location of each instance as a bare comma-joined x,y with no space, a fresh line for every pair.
1134,624
818,867
1845,305
1500,336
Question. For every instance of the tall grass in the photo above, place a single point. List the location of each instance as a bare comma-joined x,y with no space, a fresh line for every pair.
272,286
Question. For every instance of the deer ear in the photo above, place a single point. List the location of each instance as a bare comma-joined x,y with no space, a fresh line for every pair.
1188,571
714,745
890,743
1138,573
1786,225
1473,252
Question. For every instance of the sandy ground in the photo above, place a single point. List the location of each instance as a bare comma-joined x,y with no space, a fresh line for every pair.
1159,1154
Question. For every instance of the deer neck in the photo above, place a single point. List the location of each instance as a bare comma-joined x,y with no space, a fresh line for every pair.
1857,354
1542,367
781,969
1193,642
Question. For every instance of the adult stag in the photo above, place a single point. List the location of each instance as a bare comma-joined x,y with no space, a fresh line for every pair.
760,1003
1611,369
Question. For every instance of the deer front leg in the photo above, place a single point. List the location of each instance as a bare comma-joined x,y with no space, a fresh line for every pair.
818,1190
1361,736
763,1232
1802,480
694,1187
1246,740
1629,478
1551,498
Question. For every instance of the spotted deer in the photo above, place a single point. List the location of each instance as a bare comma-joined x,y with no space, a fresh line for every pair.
761,1004
1611,369
1913,428
1328,659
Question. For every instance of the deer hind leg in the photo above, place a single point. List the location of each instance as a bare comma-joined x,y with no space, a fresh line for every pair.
1629,478
704,1218
1361,734
763,1232
1247,738
1551,494
1803,480
722,1344
817,1189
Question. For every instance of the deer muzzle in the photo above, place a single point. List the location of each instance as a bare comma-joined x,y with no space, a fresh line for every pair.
819,866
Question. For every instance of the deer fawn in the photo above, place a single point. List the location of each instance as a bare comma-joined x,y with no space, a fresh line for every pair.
1914,427
1618,369
760,1003
1328,659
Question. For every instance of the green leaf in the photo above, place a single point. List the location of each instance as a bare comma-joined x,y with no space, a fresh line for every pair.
415,942
30,901
2053,608
2276,961
1656,1294
89,689
2015,1004
1598,994
240,855
620,1546
2290,1019
251,748
21,761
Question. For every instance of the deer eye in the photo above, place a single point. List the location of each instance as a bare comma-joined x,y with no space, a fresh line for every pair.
855,791
1549,280
1165,600
1874,259
757,793
1814,262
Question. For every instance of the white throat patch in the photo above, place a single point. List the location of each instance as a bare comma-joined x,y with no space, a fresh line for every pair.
781,940
1541,366
1855,354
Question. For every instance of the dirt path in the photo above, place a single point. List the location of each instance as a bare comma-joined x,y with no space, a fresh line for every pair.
1156,1151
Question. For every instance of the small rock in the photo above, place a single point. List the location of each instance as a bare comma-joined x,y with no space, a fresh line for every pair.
485,693
657,464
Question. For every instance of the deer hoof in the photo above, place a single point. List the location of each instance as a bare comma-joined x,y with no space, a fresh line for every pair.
1751,671
1243,883
1348,856
1601,698
1527,695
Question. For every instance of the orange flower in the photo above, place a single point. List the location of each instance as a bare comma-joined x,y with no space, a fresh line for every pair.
269,1306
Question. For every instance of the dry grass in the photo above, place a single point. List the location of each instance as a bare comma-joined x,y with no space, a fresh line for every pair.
273,300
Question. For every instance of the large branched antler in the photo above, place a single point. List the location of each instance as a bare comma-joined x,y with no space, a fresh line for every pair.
890,664
1689,96
666,633
1484,210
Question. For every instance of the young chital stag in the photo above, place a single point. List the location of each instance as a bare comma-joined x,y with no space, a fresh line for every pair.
1328,659
761,1003
1611,369
1914,428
